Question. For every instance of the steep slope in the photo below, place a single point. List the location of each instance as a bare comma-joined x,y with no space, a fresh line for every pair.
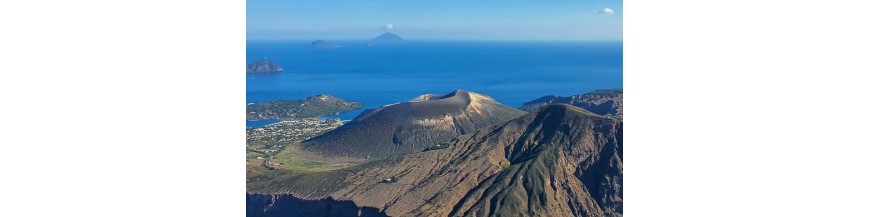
607,102
289,206
559,160
411,126
387,37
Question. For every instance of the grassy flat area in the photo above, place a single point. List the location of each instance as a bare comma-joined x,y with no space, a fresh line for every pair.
272,152
271,139
294,159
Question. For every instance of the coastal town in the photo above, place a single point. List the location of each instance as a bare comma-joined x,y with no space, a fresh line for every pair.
264,142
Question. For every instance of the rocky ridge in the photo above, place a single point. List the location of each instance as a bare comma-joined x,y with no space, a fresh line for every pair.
557,160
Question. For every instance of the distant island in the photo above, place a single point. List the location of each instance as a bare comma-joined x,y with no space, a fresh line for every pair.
386,38
314,106
324,44
264,65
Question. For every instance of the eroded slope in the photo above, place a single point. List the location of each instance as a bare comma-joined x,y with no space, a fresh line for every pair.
559,160
411,126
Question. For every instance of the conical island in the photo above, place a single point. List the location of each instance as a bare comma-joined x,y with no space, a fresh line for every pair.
386,38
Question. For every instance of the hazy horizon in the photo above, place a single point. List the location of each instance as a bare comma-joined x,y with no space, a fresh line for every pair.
449,20
411,40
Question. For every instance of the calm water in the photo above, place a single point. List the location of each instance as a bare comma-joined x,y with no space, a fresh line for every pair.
261,123
510,72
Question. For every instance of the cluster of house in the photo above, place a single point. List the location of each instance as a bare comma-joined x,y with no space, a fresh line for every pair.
333,121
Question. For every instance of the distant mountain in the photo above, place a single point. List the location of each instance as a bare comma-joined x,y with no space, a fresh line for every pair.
607,102
264,65
386,38
324,44
558,160
411,126
314,106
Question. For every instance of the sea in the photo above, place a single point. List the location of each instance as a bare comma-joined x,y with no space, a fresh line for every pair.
511,72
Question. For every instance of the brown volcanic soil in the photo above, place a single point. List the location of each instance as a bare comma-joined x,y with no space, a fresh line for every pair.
559,160
411,126
607,102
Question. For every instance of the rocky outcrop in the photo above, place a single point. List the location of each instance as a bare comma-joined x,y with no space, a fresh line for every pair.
425,97
558,160
607,102
264,65
287,205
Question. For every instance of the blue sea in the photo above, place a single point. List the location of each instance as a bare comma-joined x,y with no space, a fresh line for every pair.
510,72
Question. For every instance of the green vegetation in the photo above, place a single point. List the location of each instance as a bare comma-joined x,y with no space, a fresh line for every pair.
264,65
315,106
296,160
270,150
265,146
557,160
437,146
270,139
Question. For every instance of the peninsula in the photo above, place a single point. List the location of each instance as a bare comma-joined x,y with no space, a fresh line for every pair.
314,106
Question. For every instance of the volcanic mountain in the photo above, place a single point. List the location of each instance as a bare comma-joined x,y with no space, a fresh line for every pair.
607,102
558,160
411,126
386,38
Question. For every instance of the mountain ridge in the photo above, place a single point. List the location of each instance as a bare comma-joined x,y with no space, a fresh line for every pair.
558,160
607,102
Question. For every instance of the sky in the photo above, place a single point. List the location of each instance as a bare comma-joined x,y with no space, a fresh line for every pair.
435,19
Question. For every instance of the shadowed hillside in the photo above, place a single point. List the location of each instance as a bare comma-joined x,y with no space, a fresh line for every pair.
289,206
607,102
558,160
411,126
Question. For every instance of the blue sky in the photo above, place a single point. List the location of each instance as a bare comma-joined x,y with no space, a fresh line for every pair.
435,19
